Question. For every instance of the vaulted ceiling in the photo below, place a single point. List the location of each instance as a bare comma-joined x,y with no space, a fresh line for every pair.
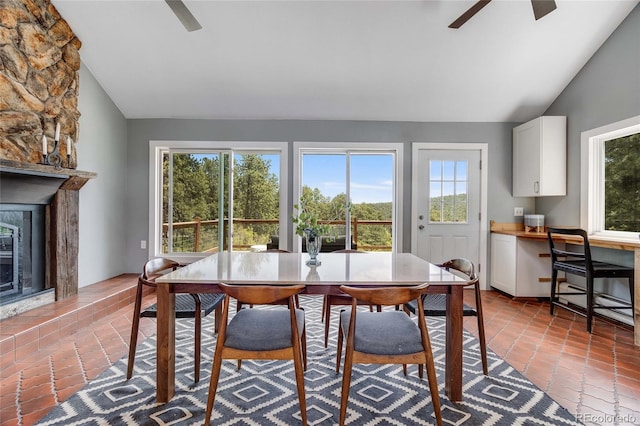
342,60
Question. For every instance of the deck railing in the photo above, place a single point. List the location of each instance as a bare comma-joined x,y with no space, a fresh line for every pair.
193,235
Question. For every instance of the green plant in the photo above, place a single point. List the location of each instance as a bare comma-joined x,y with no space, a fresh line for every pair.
306,216
306,220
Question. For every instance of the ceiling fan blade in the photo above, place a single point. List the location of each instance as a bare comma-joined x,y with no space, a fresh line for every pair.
542,7
469,13
184,15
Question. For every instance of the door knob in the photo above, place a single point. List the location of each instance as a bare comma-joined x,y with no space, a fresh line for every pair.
421,227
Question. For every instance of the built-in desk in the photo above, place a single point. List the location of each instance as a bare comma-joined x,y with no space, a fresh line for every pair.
517,229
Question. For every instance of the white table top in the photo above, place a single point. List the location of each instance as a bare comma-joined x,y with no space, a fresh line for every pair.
290,268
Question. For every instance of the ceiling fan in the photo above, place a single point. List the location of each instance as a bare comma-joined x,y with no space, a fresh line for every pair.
184,15
540,9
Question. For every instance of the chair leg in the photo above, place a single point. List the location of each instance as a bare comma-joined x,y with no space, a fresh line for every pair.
217,315
213,385
197,345
481,337
299,369
433,384
554,283
346,384
589,302
304,347
327,320
135,325
324,306
339,349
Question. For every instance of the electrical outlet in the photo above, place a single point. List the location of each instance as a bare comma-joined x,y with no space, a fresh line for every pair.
518,211
143,244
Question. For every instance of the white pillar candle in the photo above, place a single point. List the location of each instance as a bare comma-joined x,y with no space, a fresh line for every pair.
44,145
57,132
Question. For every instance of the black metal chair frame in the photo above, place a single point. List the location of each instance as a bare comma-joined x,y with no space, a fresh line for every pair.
582,264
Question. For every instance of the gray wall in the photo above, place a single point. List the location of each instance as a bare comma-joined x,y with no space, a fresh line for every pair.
606,90
140,132
101,148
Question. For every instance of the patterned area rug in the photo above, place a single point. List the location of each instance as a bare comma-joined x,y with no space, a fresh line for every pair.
264,393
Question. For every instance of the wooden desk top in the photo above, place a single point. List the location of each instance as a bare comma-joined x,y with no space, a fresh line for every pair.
517,229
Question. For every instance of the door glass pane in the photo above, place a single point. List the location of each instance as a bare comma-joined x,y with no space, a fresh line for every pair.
199,193
256,200
368,180
324,189
448,191
371,191
622,181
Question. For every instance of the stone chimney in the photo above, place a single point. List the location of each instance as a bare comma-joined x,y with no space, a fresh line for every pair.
39,63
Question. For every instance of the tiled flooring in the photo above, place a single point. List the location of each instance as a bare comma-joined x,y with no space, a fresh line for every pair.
48,354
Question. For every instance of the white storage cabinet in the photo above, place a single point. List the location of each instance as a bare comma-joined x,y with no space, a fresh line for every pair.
540,157
520,267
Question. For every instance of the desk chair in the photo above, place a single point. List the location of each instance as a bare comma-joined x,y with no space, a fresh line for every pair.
277,333
435,305
387,337
187,306
582,264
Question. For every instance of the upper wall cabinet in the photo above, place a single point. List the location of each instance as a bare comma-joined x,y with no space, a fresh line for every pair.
540,157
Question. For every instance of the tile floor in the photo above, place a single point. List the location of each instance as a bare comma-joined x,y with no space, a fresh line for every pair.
50,353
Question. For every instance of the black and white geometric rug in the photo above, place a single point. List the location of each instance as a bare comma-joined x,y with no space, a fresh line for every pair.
264,393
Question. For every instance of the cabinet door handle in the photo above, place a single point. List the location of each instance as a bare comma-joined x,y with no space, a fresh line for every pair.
536,187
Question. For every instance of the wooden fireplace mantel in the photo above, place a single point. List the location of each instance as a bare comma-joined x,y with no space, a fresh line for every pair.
62,228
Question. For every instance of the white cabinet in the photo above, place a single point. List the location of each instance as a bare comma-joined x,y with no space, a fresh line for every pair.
540,157
520,267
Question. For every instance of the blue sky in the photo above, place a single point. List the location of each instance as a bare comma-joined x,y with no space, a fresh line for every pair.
371,175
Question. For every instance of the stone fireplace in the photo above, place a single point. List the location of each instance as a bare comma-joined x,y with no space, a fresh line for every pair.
38,234
39,84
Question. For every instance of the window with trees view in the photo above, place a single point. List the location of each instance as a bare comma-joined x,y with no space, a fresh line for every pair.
216,200
364,177
611,179
448,191
622,184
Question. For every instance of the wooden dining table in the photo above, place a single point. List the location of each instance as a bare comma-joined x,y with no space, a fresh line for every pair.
336,269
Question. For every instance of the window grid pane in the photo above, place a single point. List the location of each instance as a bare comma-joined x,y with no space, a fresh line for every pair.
448,184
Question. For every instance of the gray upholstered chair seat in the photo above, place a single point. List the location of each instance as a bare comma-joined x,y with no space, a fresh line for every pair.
262,329
384,333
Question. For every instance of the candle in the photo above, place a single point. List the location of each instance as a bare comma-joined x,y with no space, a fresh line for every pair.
44,145
57,132
69,145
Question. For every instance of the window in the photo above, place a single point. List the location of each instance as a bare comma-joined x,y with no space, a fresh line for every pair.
367,177
611,180
448,181
210,199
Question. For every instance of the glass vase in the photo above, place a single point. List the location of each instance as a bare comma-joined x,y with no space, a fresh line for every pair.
314,243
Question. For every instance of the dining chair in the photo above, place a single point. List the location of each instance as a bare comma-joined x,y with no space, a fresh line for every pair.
581,263
335,300
279,302
276,333
435,305
187,306
385,337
